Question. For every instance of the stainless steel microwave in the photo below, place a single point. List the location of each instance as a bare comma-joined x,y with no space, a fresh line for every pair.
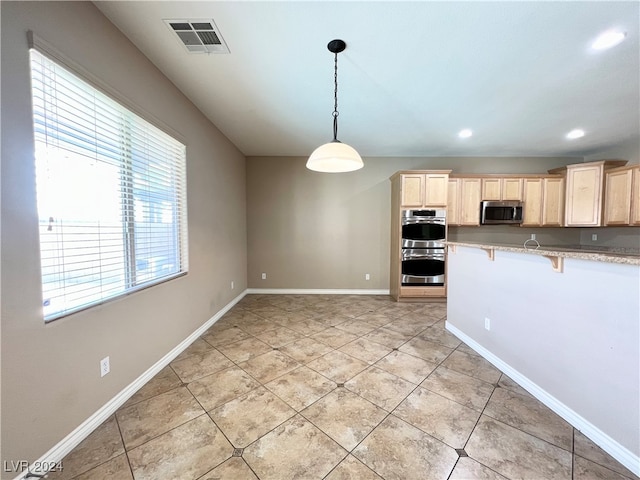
500,212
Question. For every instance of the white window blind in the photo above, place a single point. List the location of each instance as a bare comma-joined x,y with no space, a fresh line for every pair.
111,194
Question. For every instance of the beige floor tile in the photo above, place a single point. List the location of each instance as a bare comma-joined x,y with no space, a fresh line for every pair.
103,444
267,311
197,347
387,337
406,366
365,350
304,325
200,365
468,469
116,468
338,366
440,417
438,334
306,349
396,450
143,421
301,387
257,326
380,387
233,469
516,454
357,327
463,347
268,366
352,469
239,316
222,337
408,327
279,336
377,319
184,453
584,447
222,387
531,416
295,450
345,417
244,350
251,416
473,366
334,337
165,380
429,351
584,469
331,317
421,318
468,391
509,384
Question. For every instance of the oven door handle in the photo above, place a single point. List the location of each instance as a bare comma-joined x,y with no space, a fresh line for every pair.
418,221
423,256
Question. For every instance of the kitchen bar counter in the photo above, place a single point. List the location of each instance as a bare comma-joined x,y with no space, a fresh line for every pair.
598,254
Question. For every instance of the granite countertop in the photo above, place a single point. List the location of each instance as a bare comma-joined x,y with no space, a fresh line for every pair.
629,256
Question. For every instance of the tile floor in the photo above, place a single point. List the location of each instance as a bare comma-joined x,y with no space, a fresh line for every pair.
334,387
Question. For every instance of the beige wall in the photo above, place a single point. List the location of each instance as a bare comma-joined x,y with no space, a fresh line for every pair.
309,230
50,373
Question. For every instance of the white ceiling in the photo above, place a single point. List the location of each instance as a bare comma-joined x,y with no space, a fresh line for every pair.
519,74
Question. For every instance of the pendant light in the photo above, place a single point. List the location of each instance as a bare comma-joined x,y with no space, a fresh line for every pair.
335,156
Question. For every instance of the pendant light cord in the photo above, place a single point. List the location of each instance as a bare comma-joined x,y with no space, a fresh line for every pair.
335,98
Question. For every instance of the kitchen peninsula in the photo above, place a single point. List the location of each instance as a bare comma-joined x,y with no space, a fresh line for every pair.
563,323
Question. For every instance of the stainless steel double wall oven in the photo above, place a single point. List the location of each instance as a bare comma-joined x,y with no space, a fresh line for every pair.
424,234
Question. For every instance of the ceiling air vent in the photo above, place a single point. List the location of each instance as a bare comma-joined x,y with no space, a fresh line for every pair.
198,36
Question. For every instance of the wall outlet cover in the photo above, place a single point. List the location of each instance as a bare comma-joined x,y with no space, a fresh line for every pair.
104,366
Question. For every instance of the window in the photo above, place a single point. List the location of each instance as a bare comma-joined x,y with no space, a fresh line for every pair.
111,194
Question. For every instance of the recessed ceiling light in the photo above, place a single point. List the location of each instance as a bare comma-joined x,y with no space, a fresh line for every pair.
577,133
466,133
608,39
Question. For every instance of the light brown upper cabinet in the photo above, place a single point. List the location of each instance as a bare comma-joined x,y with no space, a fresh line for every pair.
622,196
532,200
453,202
584,192
502,188
635,197
543,200
552,202
464,201
427,189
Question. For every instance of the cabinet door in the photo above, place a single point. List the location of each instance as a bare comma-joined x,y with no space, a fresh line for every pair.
470,189
512,189
532,209
436,189
635,197
412,190
553,202
584,196
453,202
617,202
491,189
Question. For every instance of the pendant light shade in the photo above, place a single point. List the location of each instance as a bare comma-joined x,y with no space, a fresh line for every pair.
335,156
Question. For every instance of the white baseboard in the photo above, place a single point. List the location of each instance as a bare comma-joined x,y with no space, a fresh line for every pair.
604,441
315,291
71,441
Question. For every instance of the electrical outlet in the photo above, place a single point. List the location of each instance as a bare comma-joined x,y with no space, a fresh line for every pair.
104,366
533,236
594,237
232,285
264,276
487,323
367,276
